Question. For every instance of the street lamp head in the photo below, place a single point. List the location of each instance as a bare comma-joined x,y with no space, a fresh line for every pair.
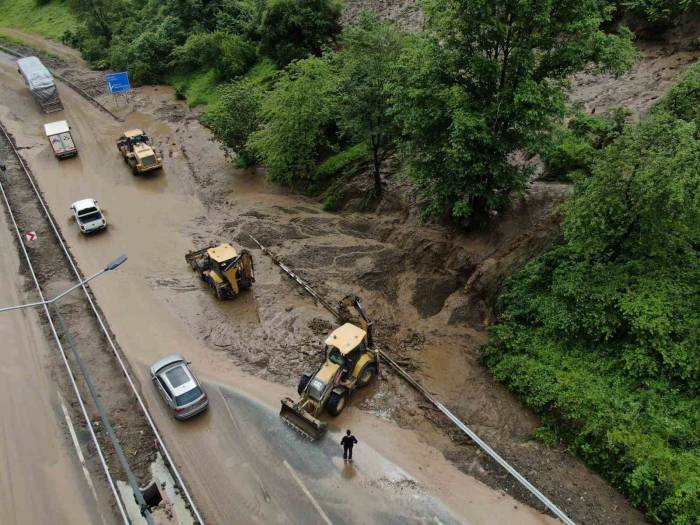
115,263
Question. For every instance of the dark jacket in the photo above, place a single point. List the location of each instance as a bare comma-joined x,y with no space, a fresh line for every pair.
348,441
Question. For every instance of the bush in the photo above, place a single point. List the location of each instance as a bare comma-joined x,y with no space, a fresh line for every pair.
573,149
235,56
147,57
342,162
234,117
683,100
663,11
294,29
297,116
199,50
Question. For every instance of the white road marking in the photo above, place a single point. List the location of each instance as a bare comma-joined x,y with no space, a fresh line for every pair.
79,452
308,494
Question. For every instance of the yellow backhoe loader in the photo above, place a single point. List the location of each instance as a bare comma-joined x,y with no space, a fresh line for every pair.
225,269
351,362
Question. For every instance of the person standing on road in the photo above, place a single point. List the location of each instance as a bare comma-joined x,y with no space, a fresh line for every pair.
348,442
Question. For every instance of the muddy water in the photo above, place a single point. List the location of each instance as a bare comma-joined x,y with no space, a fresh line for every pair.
156,305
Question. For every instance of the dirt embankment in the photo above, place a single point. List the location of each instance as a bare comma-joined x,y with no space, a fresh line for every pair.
429,288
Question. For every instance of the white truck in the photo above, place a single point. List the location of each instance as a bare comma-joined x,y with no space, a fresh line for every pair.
60,139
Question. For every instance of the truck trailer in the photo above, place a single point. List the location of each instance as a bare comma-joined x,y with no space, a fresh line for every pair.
40,83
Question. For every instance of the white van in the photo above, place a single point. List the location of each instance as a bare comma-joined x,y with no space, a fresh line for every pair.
60,139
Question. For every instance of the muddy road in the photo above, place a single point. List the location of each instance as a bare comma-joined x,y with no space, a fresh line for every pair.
155,306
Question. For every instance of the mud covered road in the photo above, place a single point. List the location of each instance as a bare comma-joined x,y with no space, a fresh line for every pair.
241,463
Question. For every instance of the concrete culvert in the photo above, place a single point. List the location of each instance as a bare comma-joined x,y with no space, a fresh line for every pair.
151,494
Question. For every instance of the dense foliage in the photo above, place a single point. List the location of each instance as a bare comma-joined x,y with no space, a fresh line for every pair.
152,37
602,334
573,148
322,105
298,115
659,11
293,29
487,80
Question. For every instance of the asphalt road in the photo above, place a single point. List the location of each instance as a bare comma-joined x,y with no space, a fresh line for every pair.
242,464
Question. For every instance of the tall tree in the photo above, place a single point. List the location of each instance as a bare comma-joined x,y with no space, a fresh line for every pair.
365,67
294,29
487,79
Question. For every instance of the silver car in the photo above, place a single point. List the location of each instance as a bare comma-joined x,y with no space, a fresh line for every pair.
178,386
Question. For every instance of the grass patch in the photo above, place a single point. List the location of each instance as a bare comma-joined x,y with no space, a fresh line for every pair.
196,88
200,87
342,161
50,20
263,73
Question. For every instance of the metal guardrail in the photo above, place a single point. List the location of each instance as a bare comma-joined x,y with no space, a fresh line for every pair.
427,395
103,327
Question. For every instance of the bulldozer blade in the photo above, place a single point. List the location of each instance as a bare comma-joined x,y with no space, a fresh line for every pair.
301,421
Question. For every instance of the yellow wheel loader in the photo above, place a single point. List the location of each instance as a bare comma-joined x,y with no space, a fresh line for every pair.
224,269
351,362
135,147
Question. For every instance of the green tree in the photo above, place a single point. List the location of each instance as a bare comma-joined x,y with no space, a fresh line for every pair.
364,68
293,29
99,16
234,117
485,80
297,118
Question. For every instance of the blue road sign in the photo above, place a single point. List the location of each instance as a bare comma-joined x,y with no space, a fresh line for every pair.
118,82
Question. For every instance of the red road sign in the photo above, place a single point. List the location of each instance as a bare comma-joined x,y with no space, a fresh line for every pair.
30,235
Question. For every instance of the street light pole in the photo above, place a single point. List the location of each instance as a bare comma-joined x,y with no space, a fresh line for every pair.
112,265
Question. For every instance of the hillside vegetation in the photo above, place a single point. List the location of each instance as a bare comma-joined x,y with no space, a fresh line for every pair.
49,19
601,335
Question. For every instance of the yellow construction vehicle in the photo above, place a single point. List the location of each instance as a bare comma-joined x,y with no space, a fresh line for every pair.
225,269
134,145
351,362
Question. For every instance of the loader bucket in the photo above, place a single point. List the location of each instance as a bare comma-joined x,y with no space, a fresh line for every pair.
301,421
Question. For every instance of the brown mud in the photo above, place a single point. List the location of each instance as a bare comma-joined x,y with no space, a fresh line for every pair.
429,288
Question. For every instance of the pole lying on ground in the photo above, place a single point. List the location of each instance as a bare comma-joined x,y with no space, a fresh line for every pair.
423,391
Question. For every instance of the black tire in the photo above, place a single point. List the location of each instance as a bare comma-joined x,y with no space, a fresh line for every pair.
337,403
367,375
303,381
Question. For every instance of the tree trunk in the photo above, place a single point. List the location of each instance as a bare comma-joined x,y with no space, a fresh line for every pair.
377,163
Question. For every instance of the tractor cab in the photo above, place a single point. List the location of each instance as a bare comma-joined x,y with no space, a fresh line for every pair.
222,256
344,347
224,268
134,137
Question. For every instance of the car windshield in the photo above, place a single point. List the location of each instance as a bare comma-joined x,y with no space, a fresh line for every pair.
188,397
89,216
335,357
149,161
